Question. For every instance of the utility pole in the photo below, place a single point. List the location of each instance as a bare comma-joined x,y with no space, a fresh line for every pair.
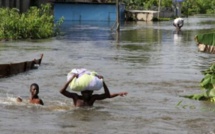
117,20
117,15
159,8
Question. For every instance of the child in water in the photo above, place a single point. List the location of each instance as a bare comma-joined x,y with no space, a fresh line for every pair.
34,98
87,98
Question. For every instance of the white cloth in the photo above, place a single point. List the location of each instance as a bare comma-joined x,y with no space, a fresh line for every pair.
87,80
178,22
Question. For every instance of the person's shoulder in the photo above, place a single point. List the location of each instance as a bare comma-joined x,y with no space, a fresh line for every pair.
37,101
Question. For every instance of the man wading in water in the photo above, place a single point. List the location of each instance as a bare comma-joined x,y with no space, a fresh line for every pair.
87,98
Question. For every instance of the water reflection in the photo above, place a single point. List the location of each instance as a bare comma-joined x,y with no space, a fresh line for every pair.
177,37
87,31
149,35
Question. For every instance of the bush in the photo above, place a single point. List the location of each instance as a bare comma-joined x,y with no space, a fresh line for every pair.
188,6
36,23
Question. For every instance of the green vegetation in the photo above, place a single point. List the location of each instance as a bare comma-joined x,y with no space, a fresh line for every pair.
198,7
189,7
162,19
146,4
37,23
207,84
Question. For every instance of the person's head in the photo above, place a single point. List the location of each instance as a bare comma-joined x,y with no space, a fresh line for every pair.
86,94
34,89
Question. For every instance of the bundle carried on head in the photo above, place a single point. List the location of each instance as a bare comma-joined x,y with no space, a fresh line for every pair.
86,80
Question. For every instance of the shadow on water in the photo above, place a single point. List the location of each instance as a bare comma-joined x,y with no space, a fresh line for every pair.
84,120
87,31
86,114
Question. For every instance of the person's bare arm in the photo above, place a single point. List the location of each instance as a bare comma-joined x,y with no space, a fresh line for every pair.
180,26
118,94
107,94
41,102
19,99
69,94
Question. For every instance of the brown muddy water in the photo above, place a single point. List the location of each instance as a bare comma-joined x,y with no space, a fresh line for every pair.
154,65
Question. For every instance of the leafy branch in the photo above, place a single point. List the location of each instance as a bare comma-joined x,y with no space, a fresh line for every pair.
36,23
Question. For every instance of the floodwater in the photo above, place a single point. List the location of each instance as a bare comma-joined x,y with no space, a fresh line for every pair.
150,62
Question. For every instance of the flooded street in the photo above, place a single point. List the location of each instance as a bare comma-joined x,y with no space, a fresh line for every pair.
151,63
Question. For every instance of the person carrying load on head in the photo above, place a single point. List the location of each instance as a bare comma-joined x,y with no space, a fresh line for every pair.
86,82
178,23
